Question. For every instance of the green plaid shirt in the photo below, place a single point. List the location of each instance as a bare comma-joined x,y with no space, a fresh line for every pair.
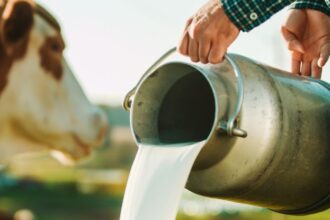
247,14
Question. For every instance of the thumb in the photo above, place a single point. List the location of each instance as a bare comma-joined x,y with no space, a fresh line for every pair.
324,55
292,40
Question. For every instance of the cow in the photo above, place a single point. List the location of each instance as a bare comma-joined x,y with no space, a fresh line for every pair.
42,106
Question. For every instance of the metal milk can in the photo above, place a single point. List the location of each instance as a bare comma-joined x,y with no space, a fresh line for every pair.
267,131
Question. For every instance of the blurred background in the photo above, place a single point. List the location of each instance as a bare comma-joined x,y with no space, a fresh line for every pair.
110,43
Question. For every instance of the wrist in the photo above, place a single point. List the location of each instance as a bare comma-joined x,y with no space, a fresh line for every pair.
319,5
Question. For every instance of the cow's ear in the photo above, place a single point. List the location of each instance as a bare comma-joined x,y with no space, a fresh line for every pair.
16,22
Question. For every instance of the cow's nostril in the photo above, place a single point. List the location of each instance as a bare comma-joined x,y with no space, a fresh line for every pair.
102,133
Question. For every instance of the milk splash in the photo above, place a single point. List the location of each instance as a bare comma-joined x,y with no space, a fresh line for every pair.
157,179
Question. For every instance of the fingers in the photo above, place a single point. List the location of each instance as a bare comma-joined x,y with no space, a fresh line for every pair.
199,44
302,64
193,43
306,68
319,62
316,70
217,51
298,65
204,50
305,65
200,40
296,59
307,35
189,45
184,42
200,47
193,50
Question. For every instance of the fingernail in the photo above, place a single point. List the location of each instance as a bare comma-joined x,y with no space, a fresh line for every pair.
321,62
193,59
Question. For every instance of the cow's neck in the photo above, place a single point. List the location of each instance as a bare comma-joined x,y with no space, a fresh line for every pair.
13,144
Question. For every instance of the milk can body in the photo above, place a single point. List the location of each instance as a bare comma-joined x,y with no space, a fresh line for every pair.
284,161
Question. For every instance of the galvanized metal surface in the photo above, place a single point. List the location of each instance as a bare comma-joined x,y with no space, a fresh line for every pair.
283,164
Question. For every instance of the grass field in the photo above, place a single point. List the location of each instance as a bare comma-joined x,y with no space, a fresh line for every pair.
65,202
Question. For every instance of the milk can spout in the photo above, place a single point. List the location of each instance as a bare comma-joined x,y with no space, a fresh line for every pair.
224,126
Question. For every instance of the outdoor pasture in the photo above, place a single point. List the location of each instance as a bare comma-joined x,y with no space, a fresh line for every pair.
66,146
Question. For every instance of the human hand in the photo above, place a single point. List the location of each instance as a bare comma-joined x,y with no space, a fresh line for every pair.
208,34
307,33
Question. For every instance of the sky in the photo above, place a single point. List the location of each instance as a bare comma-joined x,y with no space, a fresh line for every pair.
110,43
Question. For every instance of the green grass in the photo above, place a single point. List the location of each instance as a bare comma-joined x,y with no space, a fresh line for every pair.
60,203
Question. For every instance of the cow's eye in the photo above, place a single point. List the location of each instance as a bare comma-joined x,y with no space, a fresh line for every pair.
56,47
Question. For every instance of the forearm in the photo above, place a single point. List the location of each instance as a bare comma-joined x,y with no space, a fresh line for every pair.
247,14
320,5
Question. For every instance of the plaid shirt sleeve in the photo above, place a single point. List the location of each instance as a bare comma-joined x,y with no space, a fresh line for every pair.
248,14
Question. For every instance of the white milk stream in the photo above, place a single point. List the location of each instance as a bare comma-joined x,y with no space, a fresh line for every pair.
157,179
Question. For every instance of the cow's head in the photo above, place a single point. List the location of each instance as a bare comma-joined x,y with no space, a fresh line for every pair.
41,103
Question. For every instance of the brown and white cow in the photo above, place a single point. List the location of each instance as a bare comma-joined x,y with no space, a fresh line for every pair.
42,105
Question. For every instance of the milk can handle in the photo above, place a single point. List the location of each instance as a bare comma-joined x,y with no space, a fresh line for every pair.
229,126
